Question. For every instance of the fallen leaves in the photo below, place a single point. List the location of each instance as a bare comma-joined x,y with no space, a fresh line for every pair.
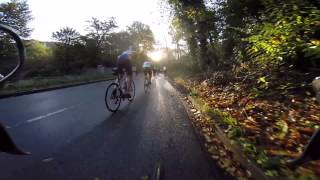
215,147
283,119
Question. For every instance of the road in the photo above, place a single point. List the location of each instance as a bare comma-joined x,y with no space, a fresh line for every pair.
71,135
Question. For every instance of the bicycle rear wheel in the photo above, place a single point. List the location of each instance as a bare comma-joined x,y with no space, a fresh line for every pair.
113,97
158,172
133,91
146,85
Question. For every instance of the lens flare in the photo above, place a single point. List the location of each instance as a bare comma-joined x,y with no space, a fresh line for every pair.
156,55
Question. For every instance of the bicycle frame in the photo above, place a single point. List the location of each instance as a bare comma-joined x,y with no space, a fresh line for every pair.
120,78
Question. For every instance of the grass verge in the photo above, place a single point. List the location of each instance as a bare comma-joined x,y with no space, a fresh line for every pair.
49,82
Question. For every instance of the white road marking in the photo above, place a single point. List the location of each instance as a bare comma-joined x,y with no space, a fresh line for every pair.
48,115
43,116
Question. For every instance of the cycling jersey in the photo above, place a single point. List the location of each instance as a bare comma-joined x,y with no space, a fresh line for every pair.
124,57
147,64
123,62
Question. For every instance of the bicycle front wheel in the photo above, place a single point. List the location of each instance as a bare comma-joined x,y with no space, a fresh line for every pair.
133,91
113,97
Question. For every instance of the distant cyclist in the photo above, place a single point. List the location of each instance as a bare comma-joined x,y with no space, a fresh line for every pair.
124,62
147,69
164,69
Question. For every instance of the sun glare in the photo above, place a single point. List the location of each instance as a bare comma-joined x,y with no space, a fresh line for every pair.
156,55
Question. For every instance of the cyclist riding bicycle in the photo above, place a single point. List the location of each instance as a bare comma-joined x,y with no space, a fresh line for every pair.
164,70
147,69
124,62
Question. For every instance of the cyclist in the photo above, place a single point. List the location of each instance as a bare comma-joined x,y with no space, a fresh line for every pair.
124,62
164,69
147,69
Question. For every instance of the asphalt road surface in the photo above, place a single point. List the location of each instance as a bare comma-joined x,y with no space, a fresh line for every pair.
72,135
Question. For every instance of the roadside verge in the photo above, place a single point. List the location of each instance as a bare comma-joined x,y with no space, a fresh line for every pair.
5,94
227,152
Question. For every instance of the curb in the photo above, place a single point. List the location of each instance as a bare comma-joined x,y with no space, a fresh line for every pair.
195,129
234,147
51,88
238,153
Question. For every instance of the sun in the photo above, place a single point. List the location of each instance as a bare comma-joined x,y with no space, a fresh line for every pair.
155,55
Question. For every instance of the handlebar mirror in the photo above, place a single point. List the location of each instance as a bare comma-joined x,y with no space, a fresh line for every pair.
12,57
12,54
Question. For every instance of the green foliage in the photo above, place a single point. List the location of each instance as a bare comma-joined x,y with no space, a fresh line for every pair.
68,50
263,83
287,34
267,33
120,41
141,36
283,129
248,147
99,31
224,118
194,23
17,15
235,132
66,36
193,93
267,163
182,68
46,82
36,50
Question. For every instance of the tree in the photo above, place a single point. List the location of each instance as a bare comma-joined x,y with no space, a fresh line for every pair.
100,30
37,51
68,49
66,36
232,32
177,34
193,16
118,42
141,35
17,15
98,33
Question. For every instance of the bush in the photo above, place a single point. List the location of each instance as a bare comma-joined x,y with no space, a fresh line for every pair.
288,34
183,67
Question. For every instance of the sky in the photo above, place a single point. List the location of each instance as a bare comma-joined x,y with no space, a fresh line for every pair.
51,15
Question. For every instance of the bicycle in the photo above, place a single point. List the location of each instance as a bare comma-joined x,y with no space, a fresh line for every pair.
159,173
114,93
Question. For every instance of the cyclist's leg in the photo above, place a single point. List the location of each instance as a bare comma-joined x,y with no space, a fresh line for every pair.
128,67
120,67
150,73
145,73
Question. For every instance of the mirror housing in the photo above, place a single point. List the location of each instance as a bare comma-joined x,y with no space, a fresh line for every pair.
21,51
